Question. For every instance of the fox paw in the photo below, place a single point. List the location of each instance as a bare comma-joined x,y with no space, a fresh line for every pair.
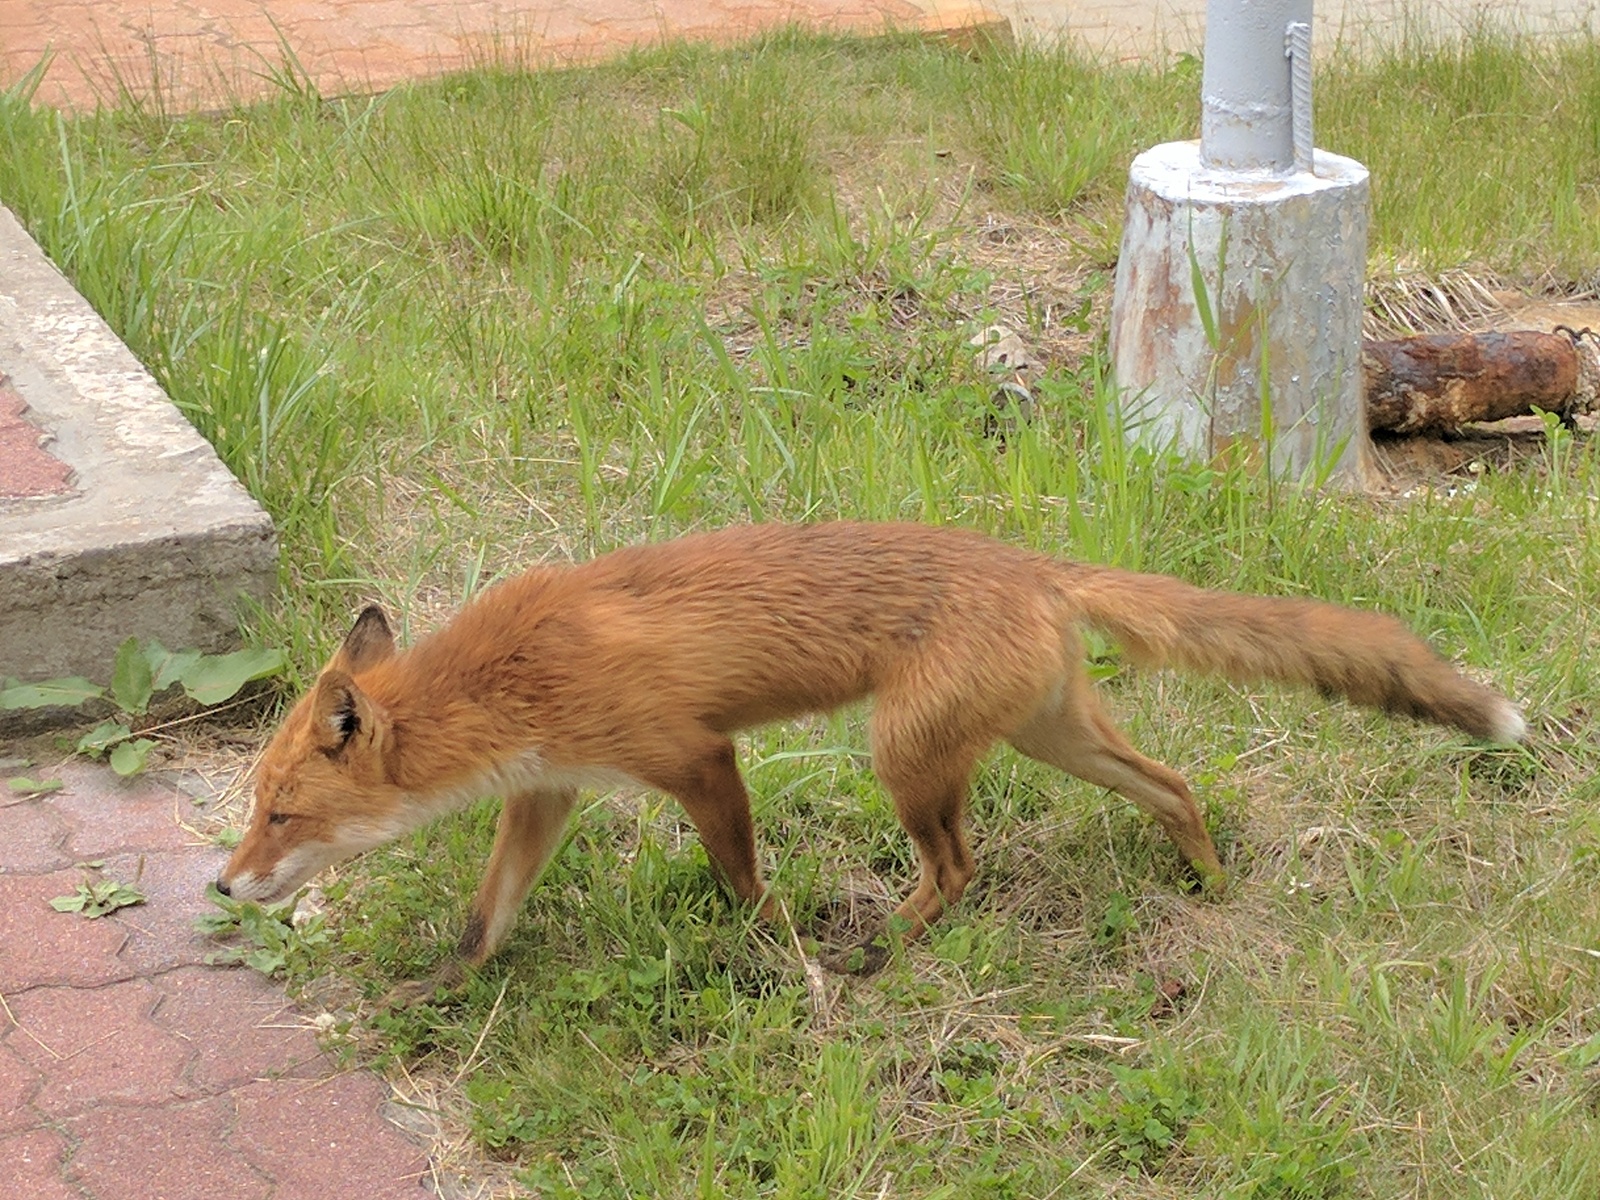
411,992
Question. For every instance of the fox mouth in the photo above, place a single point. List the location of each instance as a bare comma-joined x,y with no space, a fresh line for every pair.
242,891
257,889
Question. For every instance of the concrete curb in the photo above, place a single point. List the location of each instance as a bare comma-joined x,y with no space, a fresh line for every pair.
154,538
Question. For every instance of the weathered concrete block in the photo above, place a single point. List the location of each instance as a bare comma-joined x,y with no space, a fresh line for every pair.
154,538
1280,260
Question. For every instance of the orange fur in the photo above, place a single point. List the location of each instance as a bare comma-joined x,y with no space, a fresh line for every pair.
640,664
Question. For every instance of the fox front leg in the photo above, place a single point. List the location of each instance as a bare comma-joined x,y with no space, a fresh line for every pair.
531,827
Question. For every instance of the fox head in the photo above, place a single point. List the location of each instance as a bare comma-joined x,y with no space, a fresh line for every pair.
324,787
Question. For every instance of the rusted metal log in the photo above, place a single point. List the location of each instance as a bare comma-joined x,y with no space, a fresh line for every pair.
1437,383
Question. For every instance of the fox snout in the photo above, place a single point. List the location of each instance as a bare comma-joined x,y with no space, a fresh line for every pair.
265,886
239,884
265,871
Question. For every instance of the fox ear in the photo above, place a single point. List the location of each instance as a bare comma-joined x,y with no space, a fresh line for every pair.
340,711
367,644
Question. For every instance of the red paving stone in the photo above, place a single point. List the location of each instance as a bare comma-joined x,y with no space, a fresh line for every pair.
33,1166
176,1152
18,1083
144,818
42,947
160,933
307,1130
129,1068
27,470
35,837
97,1045
197,53
262,1036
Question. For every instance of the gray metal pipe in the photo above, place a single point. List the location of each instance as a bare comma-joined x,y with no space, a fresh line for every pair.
1247,93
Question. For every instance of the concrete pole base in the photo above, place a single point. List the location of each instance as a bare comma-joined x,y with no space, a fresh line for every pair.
1268,360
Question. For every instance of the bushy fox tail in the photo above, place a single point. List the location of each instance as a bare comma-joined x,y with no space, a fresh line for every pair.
1369,658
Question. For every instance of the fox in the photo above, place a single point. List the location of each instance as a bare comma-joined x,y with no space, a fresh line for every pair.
638,666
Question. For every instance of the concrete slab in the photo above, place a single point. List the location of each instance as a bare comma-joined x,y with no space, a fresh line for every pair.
123,521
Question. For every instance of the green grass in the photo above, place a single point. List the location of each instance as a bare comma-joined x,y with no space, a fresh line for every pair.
476,323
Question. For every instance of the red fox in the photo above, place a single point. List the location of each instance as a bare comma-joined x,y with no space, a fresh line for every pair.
639,664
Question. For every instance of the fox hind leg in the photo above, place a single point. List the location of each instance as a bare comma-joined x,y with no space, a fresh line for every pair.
928,784
1073,733
930,800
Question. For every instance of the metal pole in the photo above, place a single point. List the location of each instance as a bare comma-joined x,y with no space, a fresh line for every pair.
1247,94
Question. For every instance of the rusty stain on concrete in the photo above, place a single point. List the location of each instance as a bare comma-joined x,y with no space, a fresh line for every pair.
1280,262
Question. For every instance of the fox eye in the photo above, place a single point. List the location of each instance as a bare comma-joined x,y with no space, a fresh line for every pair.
277,818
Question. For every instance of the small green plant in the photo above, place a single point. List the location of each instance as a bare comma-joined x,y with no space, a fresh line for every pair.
1118,922
98,897
499,1121
267,937
142,671
1143,1114
53,693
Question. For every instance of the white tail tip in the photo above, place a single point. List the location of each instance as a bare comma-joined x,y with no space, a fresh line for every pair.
1509,726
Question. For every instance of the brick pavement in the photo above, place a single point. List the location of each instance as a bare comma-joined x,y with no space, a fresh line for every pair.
203,52
130,1068
199,52
27,468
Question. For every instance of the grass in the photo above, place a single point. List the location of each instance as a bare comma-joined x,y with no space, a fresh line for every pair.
504,317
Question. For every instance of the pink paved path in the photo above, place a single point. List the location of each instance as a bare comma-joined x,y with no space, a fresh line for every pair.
27,468
204,51
128,1068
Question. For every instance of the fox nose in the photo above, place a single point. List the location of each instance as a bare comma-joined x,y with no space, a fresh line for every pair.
222,886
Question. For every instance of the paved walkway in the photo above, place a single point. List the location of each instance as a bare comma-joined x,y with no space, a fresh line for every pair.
205,51
201,51
1135,28
128,1068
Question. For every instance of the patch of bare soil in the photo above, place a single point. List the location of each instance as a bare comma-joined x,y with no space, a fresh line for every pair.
1505,445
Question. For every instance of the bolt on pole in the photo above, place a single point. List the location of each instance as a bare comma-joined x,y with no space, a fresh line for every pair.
1247,90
